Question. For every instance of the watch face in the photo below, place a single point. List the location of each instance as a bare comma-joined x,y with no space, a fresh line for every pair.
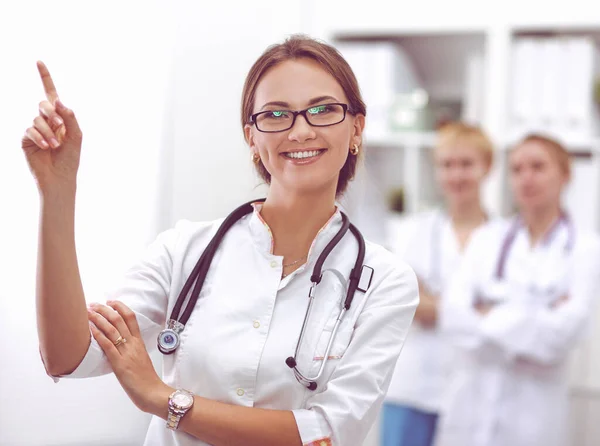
182,400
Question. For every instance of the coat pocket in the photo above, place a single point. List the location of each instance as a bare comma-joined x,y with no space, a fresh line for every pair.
339,344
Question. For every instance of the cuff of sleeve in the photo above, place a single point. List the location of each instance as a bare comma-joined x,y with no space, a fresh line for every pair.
313,428
88,366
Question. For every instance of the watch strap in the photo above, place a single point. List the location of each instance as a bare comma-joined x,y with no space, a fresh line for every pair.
173,419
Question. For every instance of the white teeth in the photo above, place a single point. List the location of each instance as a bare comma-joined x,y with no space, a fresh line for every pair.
301,155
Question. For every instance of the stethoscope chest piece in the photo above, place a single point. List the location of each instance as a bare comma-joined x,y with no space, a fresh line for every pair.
168,339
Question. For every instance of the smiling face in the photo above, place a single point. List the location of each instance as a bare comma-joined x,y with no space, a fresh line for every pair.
305,158
460,171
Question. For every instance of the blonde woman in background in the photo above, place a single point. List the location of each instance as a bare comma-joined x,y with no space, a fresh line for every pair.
516,309
437,238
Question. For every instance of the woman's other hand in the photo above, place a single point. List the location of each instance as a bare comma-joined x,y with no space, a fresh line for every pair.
116,330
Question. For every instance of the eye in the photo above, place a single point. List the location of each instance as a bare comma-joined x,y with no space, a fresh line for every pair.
319,110
538,166
442,163
277,114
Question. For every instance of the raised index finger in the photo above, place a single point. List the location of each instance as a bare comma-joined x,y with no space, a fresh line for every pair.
49,87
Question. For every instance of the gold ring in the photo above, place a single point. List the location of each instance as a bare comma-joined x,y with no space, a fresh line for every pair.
120,341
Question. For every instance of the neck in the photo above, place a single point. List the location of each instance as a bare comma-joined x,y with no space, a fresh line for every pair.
468,214
295,220
539,221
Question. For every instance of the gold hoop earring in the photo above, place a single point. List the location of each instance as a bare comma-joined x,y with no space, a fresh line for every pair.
255,158
354,150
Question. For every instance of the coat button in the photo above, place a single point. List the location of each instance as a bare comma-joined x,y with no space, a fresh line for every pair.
256,324
274,264
240,392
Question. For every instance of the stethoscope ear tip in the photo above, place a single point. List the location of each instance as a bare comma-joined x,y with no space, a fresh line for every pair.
312,386
291,362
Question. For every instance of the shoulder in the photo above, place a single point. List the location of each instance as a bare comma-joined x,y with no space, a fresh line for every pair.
587,243
425,219
393,279
405,229
186,233
492,232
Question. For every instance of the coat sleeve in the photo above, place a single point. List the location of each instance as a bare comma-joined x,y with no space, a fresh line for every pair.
145,289
546,335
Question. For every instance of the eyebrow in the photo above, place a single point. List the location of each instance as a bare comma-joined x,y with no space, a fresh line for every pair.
311,102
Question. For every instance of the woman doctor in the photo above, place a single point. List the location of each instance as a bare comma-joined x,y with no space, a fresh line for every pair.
228,381
437,239
518,306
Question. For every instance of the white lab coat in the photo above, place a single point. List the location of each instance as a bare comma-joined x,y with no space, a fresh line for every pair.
247,322
509,387
421,374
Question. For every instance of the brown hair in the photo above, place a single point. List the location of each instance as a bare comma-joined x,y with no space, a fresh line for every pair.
458,132
297,47
556,149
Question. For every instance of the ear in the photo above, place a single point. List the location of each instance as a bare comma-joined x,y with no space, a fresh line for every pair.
357,130
249,136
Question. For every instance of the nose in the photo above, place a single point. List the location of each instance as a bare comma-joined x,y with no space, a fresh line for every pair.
455,174
301,131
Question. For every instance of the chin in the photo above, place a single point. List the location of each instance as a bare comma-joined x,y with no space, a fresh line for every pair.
461,198
530,205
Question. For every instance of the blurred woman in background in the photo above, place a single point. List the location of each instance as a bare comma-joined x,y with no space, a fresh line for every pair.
433,247
516,309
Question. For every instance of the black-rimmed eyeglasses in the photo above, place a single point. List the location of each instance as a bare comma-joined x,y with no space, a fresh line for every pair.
273,121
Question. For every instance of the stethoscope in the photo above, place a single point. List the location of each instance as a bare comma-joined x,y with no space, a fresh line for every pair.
512,234
508,241
360,279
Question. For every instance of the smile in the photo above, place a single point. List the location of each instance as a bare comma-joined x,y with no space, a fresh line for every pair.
308,154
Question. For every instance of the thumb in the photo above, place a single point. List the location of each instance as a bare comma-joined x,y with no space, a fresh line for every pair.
68,116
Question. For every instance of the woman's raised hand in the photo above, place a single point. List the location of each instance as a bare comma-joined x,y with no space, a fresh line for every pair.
52,145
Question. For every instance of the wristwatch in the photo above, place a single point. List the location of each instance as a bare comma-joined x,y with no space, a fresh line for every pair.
180,402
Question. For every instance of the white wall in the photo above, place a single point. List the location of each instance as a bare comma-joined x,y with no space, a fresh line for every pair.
110,64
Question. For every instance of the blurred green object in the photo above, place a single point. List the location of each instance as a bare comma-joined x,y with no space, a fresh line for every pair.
411,112
597,91
396,200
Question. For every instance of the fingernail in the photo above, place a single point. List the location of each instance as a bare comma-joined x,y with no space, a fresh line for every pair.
58,121
44,144
54,143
